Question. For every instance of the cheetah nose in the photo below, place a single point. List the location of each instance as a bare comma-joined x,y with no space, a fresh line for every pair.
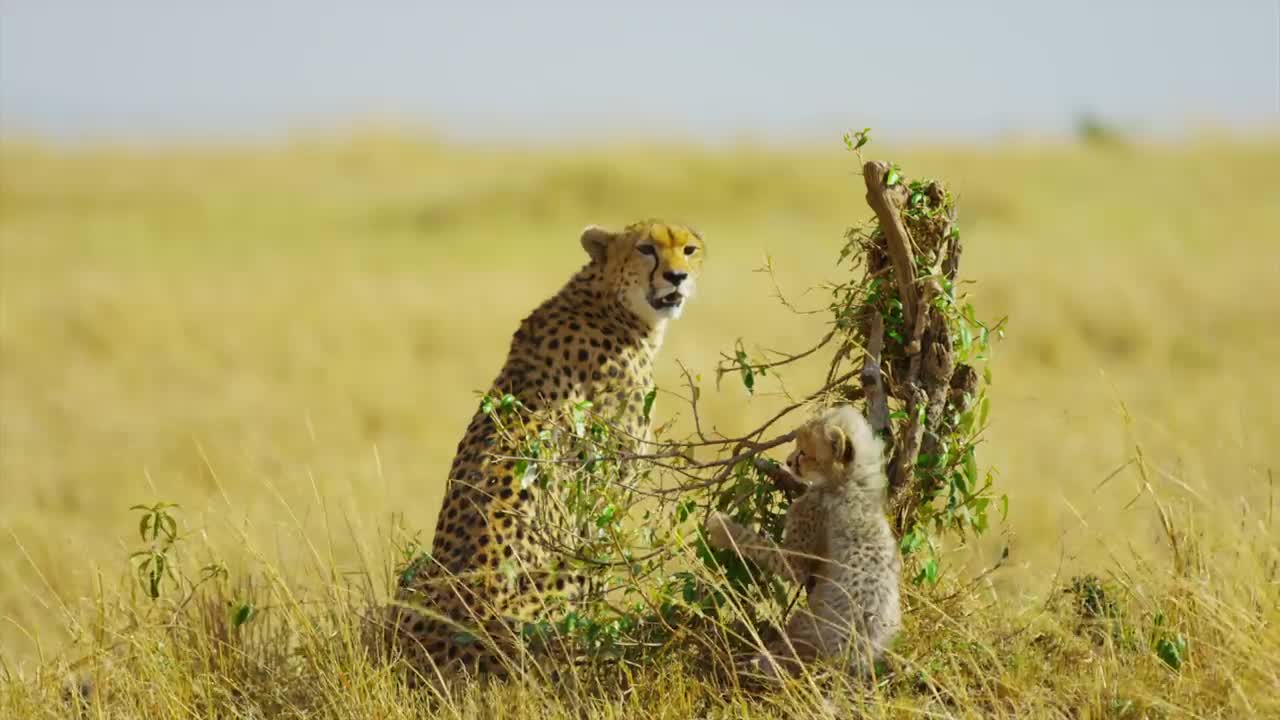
675,278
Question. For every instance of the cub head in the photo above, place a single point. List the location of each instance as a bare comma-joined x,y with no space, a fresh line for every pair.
652,267
838,446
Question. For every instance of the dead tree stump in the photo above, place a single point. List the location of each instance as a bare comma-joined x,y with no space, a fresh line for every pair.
916,365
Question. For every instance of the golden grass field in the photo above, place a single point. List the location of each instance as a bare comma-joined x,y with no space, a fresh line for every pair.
287,339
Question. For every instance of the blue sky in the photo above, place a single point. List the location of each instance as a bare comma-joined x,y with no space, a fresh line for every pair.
141,69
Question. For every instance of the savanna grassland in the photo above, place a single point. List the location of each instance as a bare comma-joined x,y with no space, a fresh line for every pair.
287,341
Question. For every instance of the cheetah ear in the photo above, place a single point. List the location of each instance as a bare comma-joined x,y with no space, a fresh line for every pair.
595,240
841,447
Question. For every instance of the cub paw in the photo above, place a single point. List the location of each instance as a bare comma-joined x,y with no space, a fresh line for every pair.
761,669
717,529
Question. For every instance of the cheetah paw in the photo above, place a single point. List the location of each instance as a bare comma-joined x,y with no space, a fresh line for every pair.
717,530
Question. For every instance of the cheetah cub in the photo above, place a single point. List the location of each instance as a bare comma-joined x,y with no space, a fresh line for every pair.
836,543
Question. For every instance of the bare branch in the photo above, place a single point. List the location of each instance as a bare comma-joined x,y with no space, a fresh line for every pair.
695,394
872,381
730,364
874,174
903,462
782,477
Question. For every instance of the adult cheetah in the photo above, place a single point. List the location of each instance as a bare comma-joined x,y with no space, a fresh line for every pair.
595,340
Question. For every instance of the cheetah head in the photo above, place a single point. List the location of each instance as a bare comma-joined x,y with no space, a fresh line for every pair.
839,446
652,267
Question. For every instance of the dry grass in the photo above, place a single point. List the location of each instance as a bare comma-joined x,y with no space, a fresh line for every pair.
284,340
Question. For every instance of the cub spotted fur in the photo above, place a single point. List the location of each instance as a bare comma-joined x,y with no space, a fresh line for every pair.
836,543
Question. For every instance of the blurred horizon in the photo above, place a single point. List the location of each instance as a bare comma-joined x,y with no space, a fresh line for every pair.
261,260
151,71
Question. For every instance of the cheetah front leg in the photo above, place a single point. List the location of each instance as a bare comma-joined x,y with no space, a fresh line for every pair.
831,627
805,640
793,560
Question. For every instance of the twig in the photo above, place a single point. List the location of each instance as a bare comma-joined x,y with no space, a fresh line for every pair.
787,358
755,449
695,394
839,381
781,476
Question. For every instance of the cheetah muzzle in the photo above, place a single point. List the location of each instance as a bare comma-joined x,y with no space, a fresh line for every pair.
673,299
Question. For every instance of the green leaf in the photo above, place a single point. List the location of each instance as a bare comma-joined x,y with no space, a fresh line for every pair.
1172,650
242,614
413,568
508,403
531,631
928,572
855,140
570,622
690,591
744,367
599,432
979,521
893,178
528,474
971,468
649,399
966,336
606,516
486,405
912,541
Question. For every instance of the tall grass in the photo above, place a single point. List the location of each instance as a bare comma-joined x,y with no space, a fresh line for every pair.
282,340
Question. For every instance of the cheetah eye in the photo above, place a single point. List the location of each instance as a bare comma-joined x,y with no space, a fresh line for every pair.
690,249
645,249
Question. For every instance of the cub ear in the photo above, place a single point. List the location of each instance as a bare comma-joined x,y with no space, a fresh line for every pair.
595,240
841,446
